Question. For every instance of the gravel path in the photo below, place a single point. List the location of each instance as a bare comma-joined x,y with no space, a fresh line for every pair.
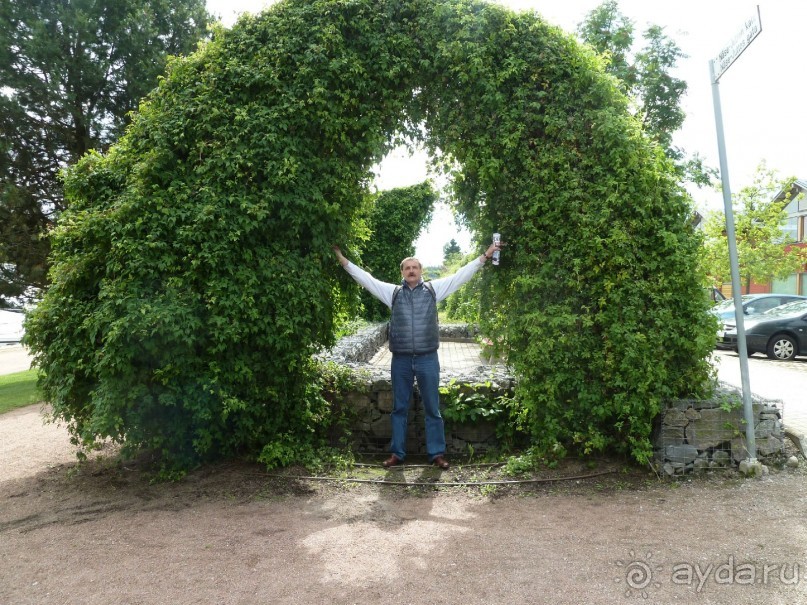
102,533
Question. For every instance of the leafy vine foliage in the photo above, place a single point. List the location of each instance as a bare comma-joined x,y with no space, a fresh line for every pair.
193,276
395,220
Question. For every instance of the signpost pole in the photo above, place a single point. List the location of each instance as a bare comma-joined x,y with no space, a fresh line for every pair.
725,59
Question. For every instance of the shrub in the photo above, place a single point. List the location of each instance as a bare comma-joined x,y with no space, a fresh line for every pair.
395,220
193,276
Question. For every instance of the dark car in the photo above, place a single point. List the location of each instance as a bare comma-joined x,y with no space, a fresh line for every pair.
753,304
780,333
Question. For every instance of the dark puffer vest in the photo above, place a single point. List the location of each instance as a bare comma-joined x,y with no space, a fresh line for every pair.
413,328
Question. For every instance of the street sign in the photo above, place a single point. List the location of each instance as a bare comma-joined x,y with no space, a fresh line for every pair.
738,44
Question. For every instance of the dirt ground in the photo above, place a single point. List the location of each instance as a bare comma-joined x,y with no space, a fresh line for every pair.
229,534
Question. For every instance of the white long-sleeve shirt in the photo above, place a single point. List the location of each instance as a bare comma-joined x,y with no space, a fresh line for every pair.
443,286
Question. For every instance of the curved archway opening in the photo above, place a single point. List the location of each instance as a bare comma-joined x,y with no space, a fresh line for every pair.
409,164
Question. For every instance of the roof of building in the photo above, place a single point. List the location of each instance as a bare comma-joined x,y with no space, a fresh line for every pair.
799,186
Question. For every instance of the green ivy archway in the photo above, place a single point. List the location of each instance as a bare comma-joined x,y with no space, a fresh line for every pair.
193,276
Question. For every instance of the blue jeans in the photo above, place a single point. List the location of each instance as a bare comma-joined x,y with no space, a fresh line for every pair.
405,369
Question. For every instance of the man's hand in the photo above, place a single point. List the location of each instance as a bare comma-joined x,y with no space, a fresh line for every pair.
493,247
341,257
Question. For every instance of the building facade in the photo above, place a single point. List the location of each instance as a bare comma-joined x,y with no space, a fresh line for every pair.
795,231
794,236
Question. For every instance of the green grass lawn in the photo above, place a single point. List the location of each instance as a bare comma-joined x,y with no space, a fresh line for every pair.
18,390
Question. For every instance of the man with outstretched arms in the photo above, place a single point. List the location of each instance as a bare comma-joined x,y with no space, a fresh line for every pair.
413,339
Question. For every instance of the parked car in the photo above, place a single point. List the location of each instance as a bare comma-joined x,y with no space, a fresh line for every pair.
11,325
753,304
780,333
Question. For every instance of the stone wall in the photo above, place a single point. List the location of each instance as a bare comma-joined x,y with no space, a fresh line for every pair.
371,405
690,435
358,348
371,401
695,435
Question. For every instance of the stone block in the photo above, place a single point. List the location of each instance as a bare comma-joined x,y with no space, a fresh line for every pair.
764,429
752,469
707,404
676,405
476,432
381,427
681,454
381,385
671,435
700,465
358,402
369,418
692,414
715,426
721,458
675,417
767,446
456,446
738,450
384,401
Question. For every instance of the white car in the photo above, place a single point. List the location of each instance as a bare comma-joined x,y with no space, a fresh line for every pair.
11,330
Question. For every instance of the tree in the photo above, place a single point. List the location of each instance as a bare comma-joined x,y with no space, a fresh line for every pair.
646,78
610,33
71,73
463,305
451,251
762,252
395,220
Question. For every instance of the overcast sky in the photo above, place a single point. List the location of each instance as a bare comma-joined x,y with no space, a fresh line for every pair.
762,94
